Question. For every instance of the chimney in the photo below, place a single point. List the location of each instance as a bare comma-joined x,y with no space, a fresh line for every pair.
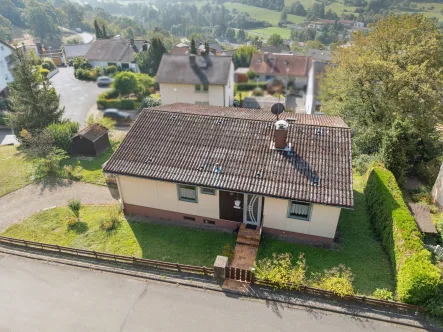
280,134
192,60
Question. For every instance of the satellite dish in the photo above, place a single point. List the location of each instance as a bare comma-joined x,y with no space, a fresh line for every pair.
277,109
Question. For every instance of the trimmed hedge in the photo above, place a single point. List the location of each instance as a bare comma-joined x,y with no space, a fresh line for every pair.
250,86
125,104
417,277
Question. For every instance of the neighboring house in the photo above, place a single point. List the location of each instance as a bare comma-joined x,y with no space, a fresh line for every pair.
289,69
116,52
313,104
180,48
6,52
224,166
320,55
196,79
76,50
241,75
214,49
92,140
437,190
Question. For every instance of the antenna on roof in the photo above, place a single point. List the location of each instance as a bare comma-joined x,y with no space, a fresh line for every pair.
277,109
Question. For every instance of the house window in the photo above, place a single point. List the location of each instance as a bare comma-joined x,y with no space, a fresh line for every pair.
125,65
187,193
201,88
207,191
299,210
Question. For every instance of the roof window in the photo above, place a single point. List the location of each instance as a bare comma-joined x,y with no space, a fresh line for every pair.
218,168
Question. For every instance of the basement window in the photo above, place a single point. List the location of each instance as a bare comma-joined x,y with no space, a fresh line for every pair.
208,191
299,210
187,193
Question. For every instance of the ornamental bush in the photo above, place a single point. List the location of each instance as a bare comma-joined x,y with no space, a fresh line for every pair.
337,280
258,92
417,277
62,134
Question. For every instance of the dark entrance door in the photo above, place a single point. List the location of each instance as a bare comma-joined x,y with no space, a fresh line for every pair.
229,210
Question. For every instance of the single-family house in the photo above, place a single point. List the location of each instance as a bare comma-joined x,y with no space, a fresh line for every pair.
6,77
214,48
312,102
116,51
320,55
196,79
288,69
223,166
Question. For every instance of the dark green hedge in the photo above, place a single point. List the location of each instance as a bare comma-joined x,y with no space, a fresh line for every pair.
125,104
417,277
250,86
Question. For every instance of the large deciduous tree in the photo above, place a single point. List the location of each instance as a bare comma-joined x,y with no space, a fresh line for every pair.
34,104
275,40
243,56
42,23
387,86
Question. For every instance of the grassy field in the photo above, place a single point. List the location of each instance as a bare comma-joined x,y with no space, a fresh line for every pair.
359,251
15,170
266,32
90,170
161,242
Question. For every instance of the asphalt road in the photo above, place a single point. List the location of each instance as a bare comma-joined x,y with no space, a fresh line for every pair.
77,96
40,296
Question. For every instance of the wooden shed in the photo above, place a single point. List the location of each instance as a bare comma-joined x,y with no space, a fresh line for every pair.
92,140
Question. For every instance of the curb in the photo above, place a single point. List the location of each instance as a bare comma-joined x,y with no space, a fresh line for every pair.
195,285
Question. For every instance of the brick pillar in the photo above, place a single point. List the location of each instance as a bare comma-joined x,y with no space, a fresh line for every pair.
280,136
220,265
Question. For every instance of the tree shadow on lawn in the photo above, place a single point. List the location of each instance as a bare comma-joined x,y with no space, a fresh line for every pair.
178,244
360,251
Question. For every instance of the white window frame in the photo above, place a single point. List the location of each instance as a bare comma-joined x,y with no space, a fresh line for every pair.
292,216
184,199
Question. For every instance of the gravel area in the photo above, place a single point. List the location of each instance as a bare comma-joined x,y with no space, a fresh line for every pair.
38,196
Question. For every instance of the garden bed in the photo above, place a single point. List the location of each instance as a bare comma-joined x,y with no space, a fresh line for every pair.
360,250
146,240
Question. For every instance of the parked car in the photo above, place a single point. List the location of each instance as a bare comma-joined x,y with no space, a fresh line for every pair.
104,81
117,115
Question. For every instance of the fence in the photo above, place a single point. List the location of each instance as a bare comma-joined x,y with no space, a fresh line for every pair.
110,257
248,276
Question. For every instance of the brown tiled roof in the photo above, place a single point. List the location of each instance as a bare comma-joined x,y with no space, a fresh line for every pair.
281,64
92,132
254,114
184,147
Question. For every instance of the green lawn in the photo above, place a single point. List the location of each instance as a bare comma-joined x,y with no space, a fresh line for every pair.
360,250
161,242
90,169
15,170
262,14
285,33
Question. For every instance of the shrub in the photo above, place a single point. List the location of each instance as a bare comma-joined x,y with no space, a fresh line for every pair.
421,195
250,86
435,305
70,173
128,104
110,70
72,221
48,64
111,94
62,133
107,122
4,104
81,63
150,102
112,220
228,251
44,72
2,118
125,83
251,74
109,103
428,170
440,227
362,162
383,294
280,271
258,92
75,206
417,278
337,280
50,164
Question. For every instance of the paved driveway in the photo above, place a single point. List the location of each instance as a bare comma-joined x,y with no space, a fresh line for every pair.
37,196
6,137
38,296
77,96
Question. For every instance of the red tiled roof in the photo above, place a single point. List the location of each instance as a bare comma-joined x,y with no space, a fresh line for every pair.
184,147
281,64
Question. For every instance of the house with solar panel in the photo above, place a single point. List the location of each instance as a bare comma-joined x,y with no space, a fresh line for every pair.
225,168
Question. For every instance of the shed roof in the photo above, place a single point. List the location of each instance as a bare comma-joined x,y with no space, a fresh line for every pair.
92,132
179,146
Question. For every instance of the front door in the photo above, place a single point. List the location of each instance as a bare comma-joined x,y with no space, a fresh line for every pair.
253,209
231,206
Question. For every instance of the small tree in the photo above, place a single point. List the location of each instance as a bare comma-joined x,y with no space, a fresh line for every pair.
193,49
75,205
275,40
125,83
98,31
251,74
